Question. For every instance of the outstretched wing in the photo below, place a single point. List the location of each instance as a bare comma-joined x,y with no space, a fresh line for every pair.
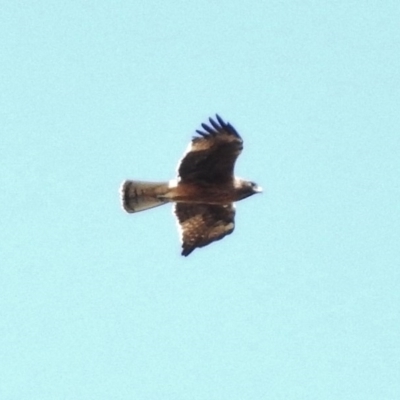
202,224
212,155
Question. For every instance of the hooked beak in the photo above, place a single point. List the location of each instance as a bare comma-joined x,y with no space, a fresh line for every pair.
258,189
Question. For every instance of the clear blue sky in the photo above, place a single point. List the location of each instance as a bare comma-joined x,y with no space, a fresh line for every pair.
302,301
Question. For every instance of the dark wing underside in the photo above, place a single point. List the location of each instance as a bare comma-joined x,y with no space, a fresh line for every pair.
202,224
212,155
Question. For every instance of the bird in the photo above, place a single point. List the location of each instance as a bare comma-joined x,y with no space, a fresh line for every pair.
205,190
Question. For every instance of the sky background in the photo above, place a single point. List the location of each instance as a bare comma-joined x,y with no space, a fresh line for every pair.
302,301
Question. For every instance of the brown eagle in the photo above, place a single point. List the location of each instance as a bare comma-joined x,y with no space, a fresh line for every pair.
206,188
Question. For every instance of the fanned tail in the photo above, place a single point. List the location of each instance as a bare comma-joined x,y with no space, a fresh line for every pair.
139,195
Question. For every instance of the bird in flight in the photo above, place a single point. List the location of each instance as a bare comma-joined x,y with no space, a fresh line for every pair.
204,193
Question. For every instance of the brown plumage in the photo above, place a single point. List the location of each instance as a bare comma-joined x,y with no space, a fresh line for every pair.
205,190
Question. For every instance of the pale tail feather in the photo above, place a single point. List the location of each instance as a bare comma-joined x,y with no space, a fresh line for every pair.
139,196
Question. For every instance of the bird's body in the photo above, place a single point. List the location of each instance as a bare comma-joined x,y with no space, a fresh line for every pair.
204,193
205,190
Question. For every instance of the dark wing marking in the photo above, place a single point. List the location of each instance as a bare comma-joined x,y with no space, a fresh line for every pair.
212,155
202,224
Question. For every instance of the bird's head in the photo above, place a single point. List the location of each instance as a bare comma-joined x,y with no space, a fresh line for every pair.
246,188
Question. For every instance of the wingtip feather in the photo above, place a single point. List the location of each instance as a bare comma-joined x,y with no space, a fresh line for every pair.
208,129
201,133
220,120
186,251
215,125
